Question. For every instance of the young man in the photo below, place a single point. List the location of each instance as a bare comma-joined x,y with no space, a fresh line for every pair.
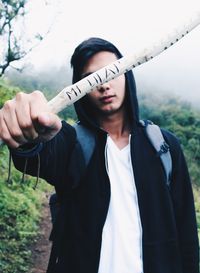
117,213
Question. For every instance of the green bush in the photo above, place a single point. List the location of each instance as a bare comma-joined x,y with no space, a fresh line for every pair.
6,92
20,212
20,208
181,119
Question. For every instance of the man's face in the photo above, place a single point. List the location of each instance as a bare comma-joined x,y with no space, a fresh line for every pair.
109,97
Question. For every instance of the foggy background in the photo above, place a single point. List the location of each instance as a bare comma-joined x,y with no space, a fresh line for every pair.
131,26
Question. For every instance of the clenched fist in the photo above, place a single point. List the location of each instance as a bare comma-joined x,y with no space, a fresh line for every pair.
27,118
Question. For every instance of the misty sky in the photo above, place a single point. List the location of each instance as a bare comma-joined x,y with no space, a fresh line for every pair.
131,25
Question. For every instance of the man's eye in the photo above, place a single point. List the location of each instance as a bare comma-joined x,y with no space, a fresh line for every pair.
86,74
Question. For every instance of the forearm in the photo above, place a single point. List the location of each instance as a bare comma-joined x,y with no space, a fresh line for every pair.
47,159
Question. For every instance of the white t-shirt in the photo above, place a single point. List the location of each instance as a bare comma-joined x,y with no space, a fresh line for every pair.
121,250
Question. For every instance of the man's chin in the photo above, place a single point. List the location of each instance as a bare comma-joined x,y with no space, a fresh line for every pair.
109,112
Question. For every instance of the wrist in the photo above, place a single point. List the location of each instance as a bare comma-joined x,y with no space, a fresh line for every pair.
27,150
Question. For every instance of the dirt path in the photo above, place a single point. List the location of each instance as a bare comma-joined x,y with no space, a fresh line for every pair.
42,246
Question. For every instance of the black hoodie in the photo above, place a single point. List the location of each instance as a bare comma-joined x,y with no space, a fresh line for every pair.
169,240
82,53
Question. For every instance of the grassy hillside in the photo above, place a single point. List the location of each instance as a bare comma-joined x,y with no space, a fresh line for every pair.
20,209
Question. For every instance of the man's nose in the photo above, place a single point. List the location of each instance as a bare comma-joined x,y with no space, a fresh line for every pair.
104,87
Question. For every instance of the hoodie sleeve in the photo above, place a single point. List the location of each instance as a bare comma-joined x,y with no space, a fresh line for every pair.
182,196
50,158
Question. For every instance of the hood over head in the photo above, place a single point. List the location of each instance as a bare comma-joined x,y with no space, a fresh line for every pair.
82,53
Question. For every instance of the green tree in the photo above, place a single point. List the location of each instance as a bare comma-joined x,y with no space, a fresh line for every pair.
180,118
16,44
10,11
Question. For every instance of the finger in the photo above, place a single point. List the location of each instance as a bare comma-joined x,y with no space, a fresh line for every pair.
38,104
11,122
46,123
49,120
6,137
23,115
50,124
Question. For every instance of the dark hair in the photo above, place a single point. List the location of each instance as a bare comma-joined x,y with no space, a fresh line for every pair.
82,53
86,50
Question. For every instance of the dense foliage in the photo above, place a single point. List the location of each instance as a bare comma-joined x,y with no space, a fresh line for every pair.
6,92
20,209
181,119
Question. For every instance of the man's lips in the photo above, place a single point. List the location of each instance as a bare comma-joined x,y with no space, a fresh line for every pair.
107,99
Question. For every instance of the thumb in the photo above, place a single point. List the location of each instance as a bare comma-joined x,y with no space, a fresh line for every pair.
48,124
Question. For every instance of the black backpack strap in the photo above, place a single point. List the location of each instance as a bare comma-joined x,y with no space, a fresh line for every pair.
156,138
52,259
86,139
